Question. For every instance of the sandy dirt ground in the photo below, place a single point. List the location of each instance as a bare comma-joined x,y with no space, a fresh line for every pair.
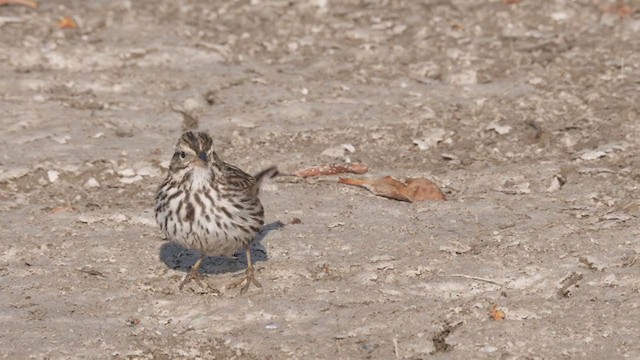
524,112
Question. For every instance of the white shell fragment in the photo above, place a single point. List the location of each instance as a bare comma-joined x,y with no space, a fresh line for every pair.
432,139
92,183
53,175
339,151
500,129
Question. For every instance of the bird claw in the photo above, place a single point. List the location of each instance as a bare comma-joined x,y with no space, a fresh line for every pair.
248,279
199,279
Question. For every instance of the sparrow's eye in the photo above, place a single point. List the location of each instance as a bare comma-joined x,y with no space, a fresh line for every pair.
182,154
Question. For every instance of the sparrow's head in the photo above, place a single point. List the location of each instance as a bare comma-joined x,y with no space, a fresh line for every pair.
193,150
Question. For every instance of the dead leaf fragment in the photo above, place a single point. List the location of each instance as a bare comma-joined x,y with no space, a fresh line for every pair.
570,281
132,321
497,314
620,9
412,190
67,22
29,3
90,271
60,209
332,169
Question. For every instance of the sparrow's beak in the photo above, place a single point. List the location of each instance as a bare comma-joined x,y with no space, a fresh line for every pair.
201,161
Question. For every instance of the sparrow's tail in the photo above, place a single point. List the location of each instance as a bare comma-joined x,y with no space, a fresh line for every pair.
265,174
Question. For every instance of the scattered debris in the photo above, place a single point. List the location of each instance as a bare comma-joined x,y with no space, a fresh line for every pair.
29,3
60,209
53,176
89,219
294,221
595,171
476,278
12,174
464,77
338,151
90,271
449,157
61,139
243,122
9,19
455,248
211,96
133,321
611,280
572,280
190,114
556,183
67,22
130,180
129,175
412,190
500,129
332,169
617,216
560,15
602,150
629,260
149,171
619,8
92,183
497,314
117,217
396,348
433,138
592,263
144,220
515,186
440,339
379,258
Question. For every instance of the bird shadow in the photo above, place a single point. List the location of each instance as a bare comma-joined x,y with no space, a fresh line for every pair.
180,258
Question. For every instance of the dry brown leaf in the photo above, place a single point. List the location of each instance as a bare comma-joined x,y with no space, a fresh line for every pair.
622,10
60,209
29,3
510,2
67,22
412,190
332,169
497,314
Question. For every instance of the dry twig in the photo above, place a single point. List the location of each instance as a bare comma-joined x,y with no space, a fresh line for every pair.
332,169
476,278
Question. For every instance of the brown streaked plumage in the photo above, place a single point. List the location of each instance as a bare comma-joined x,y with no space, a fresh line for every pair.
208,205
